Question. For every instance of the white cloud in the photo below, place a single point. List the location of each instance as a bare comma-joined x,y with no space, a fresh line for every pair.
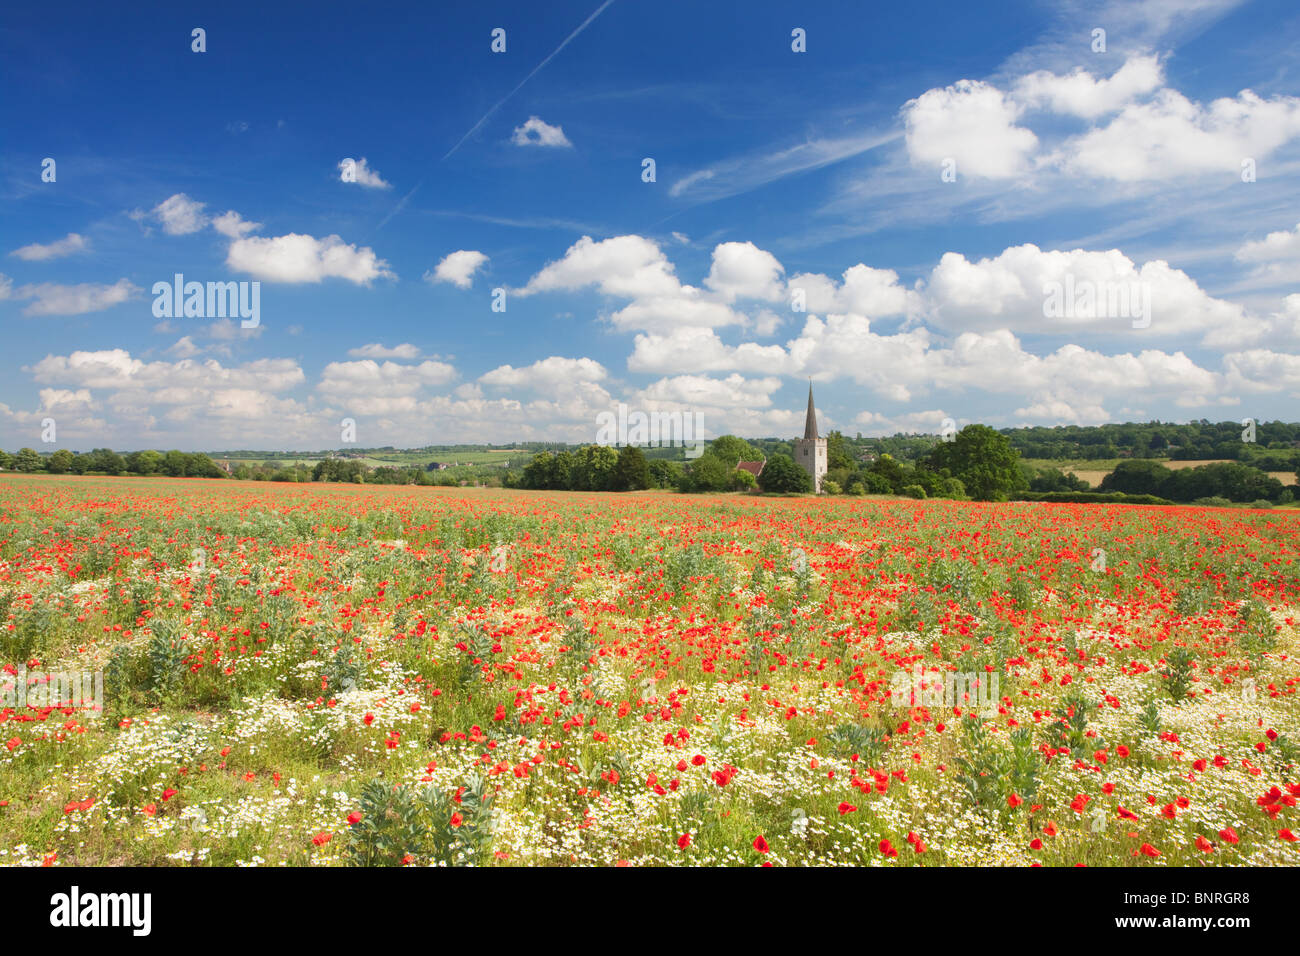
36,252
629,266
1172,137
864,290
1079,94
1010,291
742,270
367,377
547,373
537,132
302,258
362,173
180,215
376,351
234,226
458,268
50,298
973,123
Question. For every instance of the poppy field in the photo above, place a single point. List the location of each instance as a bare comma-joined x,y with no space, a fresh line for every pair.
357,675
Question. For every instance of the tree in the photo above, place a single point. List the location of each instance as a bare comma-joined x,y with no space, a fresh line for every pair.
27,460
782,475
144,462
729,449
594,468
631,472
107,461
839,454
60,463
982,460
1138,477
708,473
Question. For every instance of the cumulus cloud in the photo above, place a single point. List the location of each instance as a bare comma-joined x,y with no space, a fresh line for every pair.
300,258
547,373
180,215
973,123
376,351
369,378
537,132
1081,94
234,226
1171,137
1094,291
458,268
1275,258
863,290
628,266
742,270
358,171
35,252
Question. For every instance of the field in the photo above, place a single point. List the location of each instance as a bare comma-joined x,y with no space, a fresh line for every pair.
329,674
1095,470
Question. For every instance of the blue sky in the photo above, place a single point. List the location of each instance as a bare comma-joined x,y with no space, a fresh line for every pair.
919,183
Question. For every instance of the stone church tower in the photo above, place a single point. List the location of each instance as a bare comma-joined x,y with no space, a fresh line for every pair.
810,451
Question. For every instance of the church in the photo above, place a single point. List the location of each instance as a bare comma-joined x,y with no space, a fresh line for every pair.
810,451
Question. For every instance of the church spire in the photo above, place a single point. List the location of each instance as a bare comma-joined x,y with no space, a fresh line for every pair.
810,424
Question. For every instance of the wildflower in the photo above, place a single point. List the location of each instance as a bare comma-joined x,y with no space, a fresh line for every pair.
760,844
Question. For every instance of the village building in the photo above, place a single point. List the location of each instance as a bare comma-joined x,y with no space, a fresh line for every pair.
810,451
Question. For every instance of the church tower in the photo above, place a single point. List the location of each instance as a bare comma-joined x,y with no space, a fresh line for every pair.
810,451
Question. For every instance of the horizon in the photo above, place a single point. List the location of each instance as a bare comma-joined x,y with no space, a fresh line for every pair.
1000,217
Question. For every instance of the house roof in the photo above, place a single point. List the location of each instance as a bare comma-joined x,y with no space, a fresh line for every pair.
755,468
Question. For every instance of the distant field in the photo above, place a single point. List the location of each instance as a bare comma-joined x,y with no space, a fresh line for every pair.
1094,471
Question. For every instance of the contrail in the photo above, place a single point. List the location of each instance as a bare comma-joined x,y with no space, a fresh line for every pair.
488,115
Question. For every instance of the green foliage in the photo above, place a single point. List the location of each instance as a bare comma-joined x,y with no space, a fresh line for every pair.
400,826
1178,673
868,743
781,475
1149,718
982,460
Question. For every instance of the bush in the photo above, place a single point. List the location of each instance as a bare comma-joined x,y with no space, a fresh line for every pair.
1092,497
831,487
1213,502
857,488
782,475
914,491
878,484
743,480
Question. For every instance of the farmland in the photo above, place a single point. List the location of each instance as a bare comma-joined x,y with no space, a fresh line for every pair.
339,674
